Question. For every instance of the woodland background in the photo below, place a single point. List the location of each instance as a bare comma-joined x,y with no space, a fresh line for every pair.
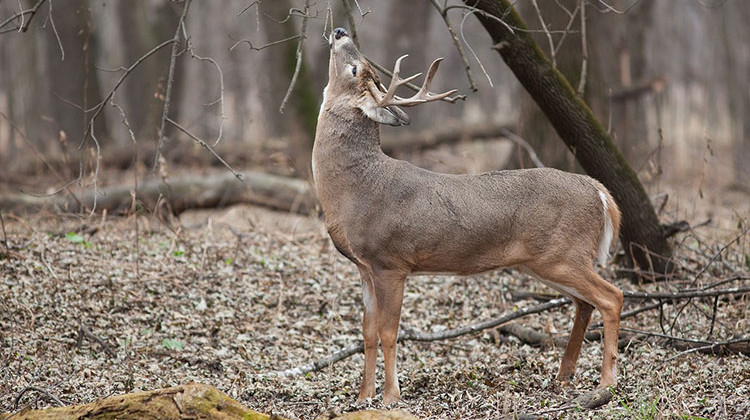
198,285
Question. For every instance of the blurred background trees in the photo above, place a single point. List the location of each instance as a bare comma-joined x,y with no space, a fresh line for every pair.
670,82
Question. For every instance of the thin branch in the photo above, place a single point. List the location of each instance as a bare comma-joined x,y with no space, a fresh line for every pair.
584,51
444,14
24,26
84,331
546,32
688,294
170,81
222,115
476,57
239,175
708,347
54,31
134,194
416,336
270,44
39,390
5,236
525,145
298,55
98,107
350,18
245,9
568,26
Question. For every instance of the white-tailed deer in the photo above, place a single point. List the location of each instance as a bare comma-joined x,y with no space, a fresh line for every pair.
393,219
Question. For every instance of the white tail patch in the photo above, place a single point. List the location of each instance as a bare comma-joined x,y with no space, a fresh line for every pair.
606,239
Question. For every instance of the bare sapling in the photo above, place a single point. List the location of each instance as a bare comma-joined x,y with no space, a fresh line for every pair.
393,219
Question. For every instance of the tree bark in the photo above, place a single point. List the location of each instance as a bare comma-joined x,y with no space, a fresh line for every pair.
641,233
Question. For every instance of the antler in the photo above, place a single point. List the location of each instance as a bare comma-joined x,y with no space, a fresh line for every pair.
389,98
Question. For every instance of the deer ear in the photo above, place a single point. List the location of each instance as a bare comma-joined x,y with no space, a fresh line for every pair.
391,115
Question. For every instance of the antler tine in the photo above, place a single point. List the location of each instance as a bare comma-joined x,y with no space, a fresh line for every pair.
389,98
396,82
424,92
430,74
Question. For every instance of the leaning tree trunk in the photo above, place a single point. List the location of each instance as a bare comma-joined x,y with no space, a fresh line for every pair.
641,233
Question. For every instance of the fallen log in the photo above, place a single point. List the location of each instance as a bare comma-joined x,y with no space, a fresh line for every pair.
190,191
190,401
433,138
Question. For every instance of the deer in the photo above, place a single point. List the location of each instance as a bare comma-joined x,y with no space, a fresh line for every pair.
393,219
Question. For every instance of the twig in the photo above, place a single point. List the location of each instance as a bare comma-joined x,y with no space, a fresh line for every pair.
24,26
416,336
704,269
54,31
46,264
42,391
222,116
688,294
83,331
525,145
100,106
5,236
546,32
239,175
476,57
135,184
170,81
350,19
444,14
270,44
584,50
707,347
565,33
298,55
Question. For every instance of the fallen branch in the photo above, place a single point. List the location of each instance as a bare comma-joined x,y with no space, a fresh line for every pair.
433,138
688,294
84,331
192,191
416,336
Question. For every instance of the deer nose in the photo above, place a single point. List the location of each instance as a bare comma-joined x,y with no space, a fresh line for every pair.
339,32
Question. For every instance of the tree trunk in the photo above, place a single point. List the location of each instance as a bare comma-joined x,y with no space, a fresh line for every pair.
641,234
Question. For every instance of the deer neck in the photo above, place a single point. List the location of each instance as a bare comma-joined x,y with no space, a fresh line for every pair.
347,144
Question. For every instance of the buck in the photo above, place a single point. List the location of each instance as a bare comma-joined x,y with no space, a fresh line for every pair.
393,219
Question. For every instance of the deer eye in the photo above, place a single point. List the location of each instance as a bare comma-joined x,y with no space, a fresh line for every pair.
354,71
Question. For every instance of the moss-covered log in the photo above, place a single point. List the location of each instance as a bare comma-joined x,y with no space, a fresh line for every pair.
191,401
641,233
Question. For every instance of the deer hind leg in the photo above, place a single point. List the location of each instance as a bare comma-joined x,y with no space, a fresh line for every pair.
389,294
586,285
370,333
573,349
607,298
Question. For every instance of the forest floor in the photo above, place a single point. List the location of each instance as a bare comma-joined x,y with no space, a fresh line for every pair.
94,307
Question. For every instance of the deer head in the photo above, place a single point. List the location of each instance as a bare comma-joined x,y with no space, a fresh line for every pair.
353,82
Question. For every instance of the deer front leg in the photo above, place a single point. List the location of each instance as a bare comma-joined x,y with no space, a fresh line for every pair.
573,349
370,333
389,292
